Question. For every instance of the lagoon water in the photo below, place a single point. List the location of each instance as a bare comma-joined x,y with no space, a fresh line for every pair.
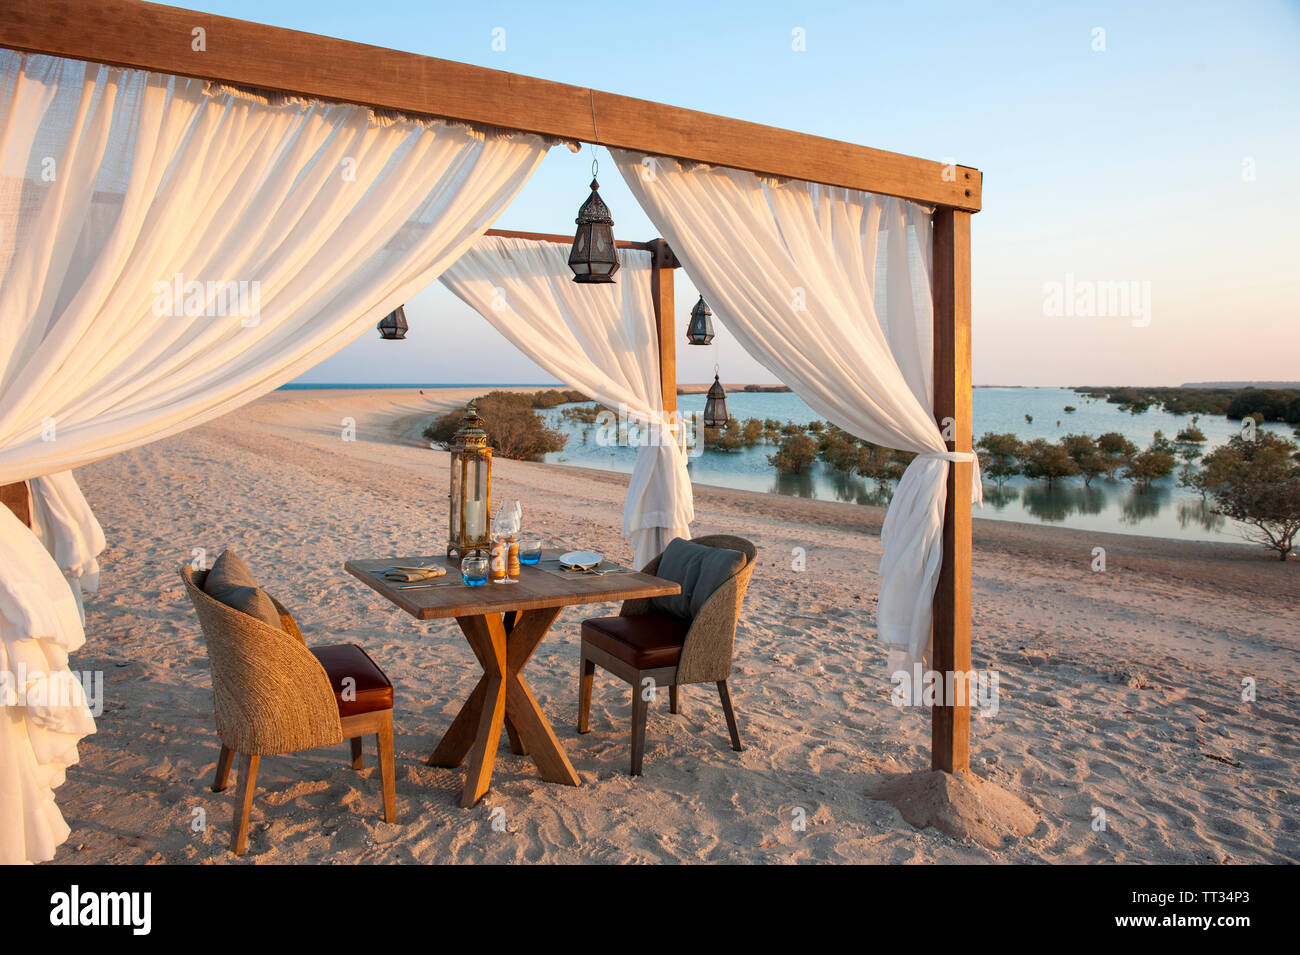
1163,510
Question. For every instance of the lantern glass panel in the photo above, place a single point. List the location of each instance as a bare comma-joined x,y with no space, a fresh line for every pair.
476,515
454,517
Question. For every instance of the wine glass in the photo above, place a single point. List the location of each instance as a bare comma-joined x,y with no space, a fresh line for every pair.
506,528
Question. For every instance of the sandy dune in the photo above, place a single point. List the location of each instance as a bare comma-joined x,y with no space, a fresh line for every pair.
1120,691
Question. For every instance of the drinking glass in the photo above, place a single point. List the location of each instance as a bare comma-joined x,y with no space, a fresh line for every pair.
530,551
506,528
474,570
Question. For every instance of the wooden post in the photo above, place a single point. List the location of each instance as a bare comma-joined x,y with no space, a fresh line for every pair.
950,726
661,294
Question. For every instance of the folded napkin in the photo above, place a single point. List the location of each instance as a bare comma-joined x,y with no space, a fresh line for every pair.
408,574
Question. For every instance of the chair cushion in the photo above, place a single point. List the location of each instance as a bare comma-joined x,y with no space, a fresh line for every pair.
371,692
700,570
646,641
232,583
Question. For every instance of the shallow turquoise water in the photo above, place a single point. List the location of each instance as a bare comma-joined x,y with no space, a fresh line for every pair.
1164,510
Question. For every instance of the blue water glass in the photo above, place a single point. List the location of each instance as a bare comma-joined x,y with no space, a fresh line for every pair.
530,551
474,570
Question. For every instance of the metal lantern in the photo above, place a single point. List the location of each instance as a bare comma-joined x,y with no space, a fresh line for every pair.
715,405
593,257
470,527
700,330
392,327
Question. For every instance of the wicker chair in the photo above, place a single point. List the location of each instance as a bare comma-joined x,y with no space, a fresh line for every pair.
640,644
273,695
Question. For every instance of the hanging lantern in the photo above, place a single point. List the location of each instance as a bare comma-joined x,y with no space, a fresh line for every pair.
700,330
593,257
392,327
715,405
471,488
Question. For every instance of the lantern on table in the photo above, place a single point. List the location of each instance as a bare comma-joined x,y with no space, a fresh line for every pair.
471,488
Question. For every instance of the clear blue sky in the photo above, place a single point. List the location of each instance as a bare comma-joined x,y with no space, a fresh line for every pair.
1122,164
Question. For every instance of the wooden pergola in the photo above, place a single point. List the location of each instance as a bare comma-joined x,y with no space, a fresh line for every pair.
147,36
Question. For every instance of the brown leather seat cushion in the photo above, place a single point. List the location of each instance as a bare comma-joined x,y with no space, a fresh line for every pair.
646,641
373,691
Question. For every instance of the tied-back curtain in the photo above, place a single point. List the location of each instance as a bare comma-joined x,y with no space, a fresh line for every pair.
599,339
829,289
170,250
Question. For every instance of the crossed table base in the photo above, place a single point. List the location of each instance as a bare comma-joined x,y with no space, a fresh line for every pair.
504,626
502,697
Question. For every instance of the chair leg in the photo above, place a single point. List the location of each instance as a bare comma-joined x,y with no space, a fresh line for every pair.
386,769
725,695
244,803
674,706
357,762
640,708
586,676
223,769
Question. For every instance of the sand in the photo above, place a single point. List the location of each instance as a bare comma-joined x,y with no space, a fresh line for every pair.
1120,691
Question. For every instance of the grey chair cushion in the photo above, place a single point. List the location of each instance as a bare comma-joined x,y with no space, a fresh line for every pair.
699,569
233,584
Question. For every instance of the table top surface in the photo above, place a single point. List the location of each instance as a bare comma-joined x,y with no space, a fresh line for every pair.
540,586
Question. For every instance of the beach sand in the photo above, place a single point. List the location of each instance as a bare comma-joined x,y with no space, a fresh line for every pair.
1120,691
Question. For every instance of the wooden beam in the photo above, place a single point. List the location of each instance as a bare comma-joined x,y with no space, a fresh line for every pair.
153,37
661,294
950,726
567,239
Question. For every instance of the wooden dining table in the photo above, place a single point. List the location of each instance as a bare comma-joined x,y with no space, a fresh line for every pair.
504,624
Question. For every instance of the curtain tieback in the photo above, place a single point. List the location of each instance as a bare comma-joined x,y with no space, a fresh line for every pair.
957,457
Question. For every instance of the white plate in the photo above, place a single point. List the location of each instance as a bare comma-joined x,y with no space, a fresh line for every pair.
580,559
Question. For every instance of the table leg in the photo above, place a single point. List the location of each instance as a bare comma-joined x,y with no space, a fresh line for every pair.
488,638
456,742
502,698
517,745
521,706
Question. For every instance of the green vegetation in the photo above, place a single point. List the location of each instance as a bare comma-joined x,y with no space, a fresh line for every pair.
794,454
513,428
1156,462
999,456
1087,456
1116,450
1274,404
1257,482
1051,462
852,455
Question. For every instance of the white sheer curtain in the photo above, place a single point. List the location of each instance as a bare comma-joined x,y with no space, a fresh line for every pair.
169,251
599,339
830,290
65,524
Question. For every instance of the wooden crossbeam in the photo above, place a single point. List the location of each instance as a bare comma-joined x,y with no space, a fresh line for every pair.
164,39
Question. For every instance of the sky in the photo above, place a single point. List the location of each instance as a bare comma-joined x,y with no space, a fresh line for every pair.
1155,145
